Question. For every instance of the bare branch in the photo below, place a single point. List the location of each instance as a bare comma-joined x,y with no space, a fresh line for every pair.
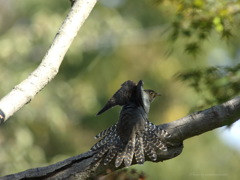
24,92
203,121
83,166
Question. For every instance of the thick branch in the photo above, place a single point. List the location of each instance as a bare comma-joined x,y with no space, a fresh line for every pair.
203,121
24,92
83,166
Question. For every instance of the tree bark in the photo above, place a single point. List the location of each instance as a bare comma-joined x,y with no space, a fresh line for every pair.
24,92
83,166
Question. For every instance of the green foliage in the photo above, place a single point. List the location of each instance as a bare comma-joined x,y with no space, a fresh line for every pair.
196,20
215,84
114,45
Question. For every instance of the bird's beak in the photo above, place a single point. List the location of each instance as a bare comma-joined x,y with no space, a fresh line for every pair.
158,94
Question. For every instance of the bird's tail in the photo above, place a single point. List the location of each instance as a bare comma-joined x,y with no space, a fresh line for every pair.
143,142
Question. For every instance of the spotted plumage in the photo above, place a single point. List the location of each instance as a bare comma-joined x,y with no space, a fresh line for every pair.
133,136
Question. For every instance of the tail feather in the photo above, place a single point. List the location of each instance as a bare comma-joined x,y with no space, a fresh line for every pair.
139,151
120,157
150,126
108,135
159,145
154,135
158,131
114,145
110,155
155,142
101,153
152,154
142,142
129,152
150,151
100,144
162,133
106,131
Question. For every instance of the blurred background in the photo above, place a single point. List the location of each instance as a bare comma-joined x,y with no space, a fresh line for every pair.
169,44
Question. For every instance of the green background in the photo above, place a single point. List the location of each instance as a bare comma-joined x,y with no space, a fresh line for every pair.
126,42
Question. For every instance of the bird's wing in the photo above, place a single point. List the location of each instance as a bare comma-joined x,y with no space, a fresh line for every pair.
121,97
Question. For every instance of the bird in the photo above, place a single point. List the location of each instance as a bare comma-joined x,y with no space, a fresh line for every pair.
133,135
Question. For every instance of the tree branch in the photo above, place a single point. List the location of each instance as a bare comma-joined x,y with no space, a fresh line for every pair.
83,166
24,92
203,121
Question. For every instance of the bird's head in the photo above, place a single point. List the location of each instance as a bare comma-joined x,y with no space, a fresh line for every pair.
152,94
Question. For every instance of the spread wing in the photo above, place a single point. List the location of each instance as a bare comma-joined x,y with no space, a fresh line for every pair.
121,97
